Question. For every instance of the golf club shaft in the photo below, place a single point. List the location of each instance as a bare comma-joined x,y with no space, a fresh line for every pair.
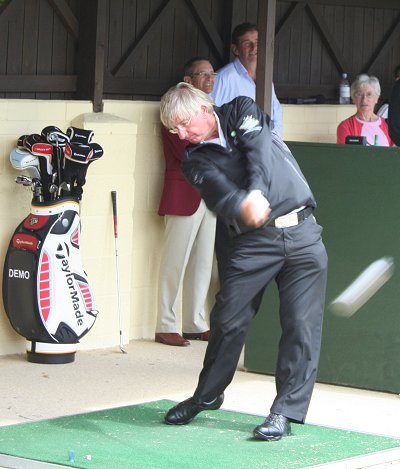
115,220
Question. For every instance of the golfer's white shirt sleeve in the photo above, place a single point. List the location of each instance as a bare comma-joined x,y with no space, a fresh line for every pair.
258,198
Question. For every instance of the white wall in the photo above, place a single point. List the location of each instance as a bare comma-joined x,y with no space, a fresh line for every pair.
313,122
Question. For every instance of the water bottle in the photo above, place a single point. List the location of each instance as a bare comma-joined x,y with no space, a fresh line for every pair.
344,94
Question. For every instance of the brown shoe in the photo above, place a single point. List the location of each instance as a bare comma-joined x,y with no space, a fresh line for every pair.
171,338
197,336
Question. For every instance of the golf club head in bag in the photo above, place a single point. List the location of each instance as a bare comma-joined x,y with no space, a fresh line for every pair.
28,164
22,160
63,160
44,151
80,136
76,162
54,136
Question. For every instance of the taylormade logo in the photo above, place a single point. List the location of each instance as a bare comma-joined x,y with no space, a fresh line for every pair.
69,277
23,241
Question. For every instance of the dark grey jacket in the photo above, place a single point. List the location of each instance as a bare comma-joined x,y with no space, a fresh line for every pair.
394,114
255,158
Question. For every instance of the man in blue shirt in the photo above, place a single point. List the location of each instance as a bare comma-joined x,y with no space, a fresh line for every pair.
238,78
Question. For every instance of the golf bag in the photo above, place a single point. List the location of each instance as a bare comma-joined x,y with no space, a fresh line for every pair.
46,293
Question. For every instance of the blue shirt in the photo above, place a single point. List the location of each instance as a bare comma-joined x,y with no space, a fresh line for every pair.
232,80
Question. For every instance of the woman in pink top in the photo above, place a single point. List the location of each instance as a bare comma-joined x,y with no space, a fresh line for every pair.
365,91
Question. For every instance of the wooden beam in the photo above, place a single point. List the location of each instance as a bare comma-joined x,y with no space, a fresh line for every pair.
289,17
91,52
135,47
327,39
100,46
4,6
387,41
293,92
227,28
388,4
265,53
66,15
38,83
125,85
208,29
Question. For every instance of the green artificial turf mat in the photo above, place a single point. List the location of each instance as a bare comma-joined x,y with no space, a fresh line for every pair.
136,437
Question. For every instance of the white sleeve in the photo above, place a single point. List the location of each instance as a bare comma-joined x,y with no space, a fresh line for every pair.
258,198
276,114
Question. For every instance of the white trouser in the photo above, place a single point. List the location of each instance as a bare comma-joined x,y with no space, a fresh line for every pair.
185,270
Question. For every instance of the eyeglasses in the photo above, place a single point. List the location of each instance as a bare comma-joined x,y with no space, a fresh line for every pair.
182,126
365,95
203,74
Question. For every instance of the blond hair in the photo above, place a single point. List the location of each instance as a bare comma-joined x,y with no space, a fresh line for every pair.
181,102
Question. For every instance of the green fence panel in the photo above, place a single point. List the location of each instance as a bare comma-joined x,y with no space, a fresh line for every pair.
358,194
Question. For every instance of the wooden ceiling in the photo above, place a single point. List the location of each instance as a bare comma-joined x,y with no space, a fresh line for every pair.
135,49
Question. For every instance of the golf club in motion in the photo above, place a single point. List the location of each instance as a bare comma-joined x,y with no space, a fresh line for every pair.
363,287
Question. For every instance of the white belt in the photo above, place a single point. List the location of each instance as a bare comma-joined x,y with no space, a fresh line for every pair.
292,218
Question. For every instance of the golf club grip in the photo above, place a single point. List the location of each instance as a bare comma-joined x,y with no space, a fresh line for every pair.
114,207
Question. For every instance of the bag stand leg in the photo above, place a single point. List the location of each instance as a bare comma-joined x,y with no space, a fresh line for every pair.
42,352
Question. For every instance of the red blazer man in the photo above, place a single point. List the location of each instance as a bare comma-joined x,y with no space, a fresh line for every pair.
178,196
187,247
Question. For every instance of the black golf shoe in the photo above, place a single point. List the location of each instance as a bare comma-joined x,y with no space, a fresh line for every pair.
274,428
186,411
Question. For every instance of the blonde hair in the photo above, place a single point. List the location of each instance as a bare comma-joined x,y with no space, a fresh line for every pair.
361,81
181,102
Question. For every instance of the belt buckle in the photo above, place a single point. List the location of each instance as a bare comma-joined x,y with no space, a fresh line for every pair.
286,221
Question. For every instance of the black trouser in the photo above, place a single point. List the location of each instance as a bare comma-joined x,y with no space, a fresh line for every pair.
223,244
296,258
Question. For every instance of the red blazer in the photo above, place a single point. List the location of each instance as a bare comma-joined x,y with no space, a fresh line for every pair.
178,196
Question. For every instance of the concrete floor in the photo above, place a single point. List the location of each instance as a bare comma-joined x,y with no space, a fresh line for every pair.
107,378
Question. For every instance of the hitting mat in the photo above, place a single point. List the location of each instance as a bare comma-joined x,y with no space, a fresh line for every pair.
136,437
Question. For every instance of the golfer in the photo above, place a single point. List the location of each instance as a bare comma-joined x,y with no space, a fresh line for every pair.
250,179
